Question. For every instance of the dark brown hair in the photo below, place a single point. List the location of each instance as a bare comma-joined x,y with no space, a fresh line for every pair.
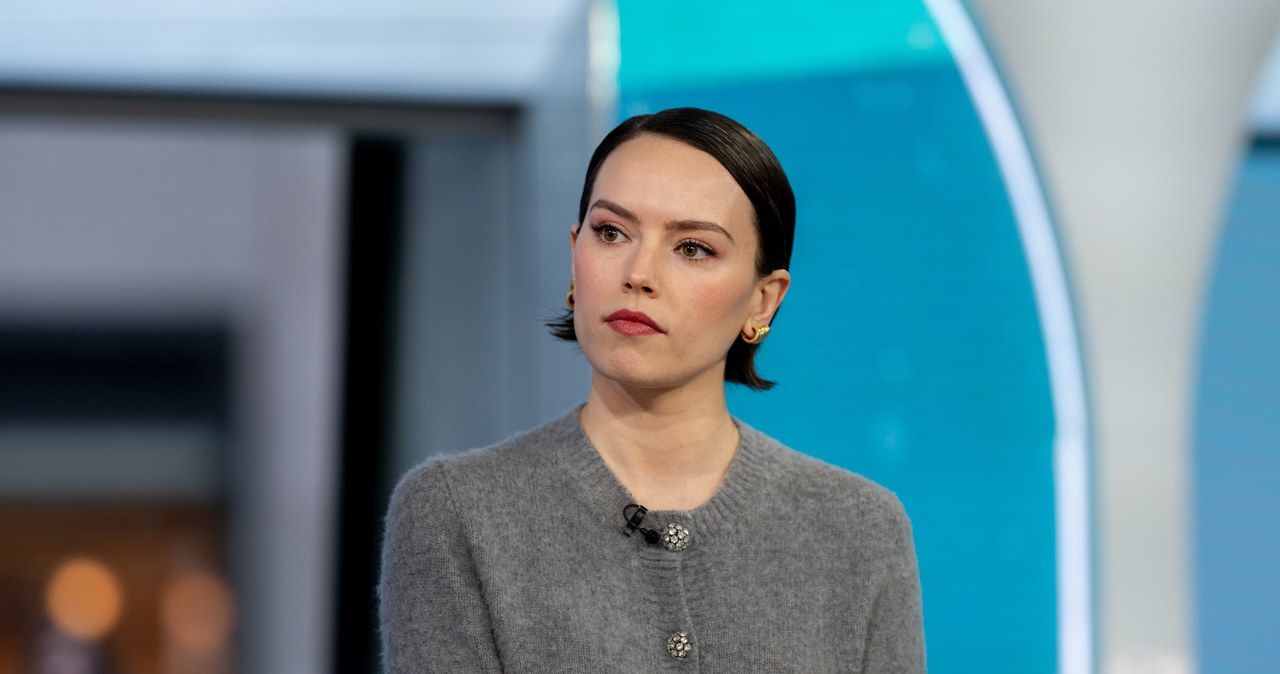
756,170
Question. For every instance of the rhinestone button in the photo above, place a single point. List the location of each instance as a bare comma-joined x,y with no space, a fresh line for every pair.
675,537
678,645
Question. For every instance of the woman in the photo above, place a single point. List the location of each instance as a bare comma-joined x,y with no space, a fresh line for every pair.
649,530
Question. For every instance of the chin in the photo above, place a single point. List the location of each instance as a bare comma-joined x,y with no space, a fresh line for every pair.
634,377
630,370
645,376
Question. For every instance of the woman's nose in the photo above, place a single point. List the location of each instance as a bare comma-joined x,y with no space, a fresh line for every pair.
642,274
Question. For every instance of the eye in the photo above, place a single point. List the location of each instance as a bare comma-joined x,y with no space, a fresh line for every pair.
607,233
695,250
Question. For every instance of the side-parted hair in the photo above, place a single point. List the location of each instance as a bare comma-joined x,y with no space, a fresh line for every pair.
756,170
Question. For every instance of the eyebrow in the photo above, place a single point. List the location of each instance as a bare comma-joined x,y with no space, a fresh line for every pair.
673,226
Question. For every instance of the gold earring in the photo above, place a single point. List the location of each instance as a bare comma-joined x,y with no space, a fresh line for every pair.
761,333
568,299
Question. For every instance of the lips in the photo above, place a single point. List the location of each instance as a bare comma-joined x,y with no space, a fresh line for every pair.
633,323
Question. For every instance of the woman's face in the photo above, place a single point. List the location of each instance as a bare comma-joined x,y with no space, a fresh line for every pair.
664,267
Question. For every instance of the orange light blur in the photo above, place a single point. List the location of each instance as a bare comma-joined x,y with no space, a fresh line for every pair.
198,611
84,598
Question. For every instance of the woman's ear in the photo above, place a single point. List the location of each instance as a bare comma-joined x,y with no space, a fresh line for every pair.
573,240
770,291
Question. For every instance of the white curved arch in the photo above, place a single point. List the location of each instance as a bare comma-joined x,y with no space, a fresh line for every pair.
1264,111
1057,323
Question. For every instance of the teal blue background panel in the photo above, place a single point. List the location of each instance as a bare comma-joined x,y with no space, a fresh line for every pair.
682,44
909,349
1236,458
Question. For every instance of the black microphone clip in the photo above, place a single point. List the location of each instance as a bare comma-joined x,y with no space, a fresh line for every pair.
634,518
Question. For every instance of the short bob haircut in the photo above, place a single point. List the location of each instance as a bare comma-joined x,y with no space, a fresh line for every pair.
756,170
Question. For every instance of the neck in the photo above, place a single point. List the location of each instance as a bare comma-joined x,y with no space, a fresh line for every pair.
670,448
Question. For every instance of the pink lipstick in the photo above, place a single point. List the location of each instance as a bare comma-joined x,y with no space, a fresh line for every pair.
632,323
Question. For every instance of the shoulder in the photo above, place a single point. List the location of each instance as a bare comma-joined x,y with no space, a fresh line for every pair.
506,468
830,494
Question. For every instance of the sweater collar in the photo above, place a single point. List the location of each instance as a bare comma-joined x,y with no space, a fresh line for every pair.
606,497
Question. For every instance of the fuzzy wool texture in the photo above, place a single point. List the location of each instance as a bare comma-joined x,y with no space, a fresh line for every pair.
512,559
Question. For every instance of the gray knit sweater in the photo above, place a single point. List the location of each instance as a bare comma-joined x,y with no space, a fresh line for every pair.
512,558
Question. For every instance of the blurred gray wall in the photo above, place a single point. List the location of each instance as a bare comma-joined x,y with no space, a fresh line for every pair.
122,222
170,214
486,261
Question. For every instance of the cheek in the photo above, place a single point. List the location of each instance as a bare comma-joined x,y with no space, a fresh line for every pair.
723,305
586,273
587,286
